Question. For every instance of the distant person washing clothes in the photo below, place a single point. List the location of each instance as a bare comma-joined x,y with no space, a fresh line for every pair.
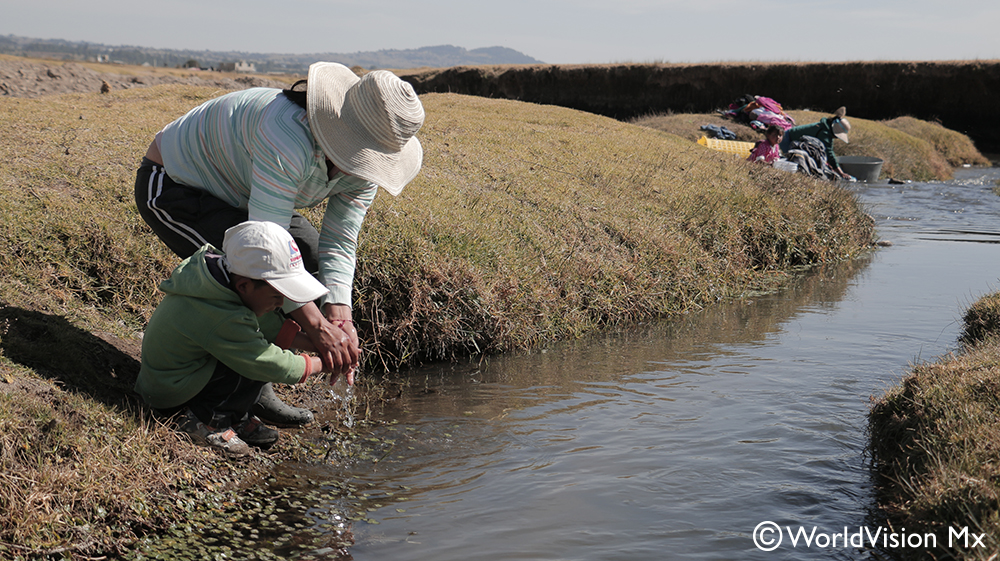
824,130
259,154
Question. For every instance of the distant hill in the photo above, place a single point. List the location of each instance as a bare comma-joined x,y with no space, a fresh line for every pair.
441,56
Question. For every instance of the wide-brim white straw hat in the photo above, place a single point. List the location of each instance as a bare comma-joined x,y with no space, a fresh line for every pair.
840,129
840,124
366,126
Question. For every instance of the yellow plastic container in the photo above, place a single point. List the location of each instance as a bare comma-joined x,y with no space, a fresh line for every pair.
741,149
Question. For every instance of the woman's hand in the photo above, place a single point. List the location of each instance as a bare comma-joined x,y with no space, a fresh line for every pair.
336,343
339,315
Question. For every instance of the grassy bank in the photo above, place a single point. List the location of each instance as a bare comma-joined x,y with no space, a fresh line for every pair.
528,223
933,439
911,149
555,222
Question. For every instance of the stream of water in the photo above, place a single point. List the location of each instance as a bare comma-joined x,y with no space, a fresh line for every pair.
675,440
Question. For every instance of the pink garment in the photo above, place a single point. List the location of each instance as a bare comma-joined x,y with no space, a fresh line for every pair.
770,118
770,104
766,151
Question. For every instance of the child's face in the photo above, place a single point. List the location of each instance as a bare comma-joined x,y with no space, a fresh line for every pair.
773,137
261,298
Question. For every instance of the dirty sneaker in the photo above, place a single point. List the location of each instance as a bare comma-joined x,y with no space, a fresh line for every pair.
225,440
253,431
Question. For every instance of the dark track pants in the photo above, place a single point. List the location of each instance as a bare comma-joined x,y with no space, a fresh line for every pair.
224,401
186,218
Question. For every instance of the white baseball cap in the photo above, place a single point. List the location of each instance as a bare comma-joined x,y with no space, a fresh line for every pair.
266,251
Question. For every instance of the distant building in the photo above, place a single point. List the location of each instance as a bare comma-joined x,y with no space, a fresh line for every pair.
241,66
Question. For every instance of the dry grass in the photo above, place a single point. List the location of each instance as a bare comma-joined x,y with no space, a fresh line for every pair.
555,222
934,442
527,223
956,147
78,477
981,320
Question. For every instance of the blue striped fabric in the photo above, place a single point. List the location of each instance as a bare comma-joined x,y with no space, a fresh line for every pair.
254,150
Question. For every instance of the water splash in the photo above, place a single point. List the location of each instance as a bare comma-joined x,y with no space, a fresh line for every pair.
343,394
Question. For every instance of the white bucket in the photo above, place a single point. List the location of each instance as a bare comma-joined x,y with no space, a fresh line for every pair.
785,165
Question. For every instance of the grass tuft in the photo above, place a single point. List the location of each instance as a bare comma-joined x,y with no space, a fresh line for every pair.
933,439
981,320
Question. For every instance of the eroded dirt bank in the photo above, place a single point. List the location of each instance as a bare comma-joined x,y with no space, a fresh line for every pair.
30,78
962,95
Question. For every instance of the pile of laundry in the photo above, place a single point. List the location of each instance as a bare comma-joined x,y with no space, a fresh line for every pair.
809,155
715,131
758,112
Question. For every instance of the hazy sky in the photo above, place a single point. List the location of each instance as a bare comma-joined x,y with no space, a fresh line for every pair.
554,31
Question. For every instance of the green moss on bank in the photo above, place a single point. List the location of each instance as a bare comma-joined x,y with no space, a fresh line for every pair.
934,442
528,223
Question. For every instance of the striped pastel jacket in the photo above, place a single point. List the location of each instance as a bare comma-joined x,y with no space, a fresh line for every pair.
254,150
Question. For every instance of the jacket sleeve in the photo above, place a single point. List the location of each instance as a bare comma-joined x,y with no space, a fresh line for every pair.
831,158
827,138
238,343
338,239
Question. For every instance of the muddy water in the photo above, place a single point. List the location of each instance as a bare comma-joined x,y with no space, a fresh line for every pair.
676,440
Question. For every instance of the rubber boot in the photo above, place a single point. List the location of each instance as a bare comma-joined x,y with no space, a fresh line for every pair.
272,410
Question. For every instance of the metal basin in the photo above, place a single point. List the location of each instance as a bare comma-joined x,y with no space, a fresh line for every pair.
864,168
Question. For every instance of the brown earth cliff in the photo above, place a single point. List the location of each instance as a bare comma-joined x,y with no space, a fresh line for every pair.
961,95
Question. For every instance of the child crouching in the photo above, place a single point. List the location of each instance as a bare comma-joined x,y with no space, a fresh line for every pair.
215,340
767,150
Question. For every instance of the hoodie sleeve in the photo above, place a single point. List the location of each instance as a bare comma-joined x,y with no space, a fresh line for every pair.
239,344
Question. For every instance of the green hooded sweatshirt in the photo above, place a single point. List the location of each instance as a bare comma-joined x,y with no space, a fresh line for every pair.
200,322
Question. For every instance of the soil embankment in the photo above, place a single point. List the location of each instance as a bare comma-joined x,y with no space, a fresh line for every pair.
961,95
20,77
